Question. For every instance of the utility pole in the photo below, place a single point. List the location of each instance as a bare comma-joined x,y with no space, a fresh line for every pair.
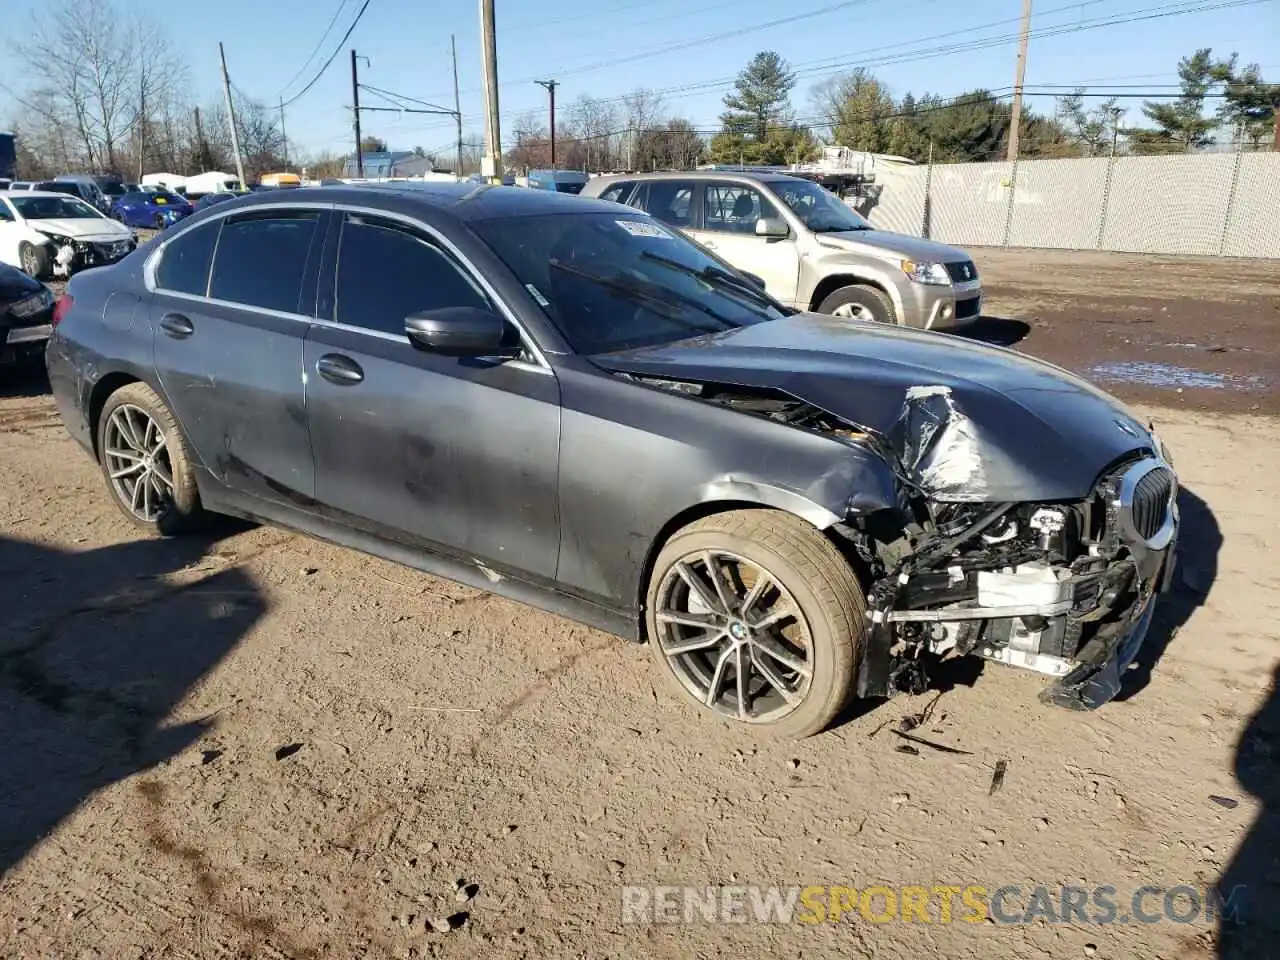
1015,118
142,122
283,136
231,118
200,148
489,54
550,86
1115,128
355,113
457,105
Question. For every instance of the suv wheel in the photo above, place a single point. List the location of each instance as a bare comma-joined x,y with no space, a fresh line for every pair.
859,302
757,617
145,462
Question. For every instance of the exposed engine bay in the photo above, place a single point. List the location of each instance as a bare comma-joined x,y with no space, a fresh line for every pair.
1061,588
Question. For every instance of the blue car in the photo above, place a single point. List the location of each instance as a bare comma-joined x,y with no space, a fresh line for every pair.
155,210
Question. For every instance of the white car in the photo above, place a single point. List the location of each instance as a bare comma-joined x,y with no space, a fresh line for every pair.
55,234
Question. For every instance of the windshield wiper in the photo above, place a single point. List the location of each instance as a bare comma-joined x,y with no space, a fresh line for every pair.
633,291
835,228
717,277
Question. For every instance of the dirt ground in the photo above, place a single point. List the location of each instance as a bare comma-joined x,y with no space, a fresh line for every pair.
257,745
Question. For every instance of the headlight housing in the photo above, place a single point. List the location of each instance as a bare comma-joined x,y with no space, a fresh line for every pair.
32,304
934,274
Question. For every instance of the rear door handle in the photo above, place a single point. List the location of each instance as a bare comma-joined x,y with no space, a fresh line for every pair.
338,369
176,325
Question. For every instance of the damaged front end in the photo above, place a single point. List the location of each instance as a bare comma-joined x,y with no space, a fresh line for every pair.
1065,589
69,255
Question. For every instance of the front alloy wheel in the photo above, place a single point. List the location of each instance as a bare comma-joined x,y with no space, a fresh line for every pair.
734,637
757,617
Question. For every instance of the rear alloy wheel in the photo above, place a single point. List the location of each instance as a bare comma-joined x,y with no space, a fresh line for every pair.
144,459
859,302
758,618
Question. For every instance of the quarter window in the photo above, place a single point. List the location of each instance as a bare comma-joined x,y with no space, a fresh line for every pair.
261,259
670,201
733,208
617,191
386,272
184,264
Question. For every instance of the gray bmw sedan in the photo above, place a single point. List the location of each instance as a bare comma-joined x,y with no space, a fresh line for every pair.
565,402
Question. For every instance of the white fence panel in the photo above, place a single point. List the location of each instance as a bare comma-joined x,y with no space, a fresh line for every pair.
1253,229
1174,205
1058,203
899,206
969,203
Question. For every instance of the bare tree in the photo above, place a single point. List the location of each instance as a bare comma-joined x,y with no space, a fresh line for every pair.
596,124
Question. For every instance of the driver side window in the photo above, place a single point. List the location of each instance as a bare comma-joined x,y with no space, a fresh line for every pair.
386,272
734,208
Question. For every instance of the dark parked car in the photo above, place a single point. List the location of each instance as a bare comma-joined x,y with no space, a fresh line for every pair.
153,209
565,402
209,199
26,315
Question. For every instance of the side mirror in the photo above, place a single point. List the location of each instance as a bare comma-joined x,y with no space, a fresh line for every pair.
459,332
772,227
758,281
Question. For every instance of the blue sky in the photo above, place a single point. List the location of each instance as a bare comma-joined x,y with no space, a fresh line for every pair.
609,47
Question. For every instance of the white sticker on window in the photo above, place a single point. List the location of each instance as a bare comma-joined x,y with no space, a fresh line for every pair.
638,229
537,295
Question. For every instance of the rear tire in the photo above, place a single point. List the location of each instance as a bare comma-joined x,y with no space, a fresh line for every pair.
146,463
800,668
34,260
859,302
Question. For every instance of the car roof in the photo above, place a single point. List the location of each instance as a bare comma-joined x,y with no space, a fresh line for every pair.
48,193
756,176
464,201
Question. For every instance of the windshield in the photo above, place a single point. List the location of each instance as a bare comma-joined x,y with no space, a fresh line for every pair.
54,208
616,281
164,196
820,209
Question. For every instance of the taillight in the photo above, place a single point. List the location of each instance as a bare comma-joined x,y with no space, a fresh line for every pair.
60,308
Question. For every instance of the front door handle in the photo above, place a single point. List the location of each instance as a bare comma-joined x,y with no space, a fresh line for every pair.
338,369
176,325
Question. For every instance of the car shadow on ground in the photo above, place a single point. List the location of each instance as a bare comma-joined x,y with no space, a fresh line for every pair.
96,650
1199,541
1249,885
998,331
25,379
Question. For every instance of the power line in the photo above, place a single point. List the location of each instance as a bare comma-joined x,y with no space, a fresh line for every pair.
315,49
336,50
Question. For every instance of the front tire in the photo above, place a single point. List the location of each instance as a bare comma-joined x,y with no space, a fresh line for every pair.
34,260
146,464
755,616
859,302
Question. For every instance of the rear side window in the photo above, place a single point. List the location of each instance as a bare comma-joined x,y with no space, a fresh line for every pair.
184,265
386,273
671,201
618,191
261,259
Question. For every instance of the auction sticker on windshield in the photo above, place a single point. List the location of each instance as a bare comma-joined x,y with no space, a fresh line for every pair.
638,229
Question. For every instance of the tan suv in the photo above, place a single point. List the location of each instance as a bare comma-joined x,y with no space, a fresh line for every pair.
812,251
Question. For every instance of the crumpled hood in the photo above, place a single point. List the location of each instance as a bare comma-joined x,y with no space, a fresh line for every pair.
893,244
83,229
971,422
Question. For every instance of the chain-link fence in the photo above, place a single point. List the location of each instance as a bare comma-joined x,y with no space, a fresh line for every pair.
1205,204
